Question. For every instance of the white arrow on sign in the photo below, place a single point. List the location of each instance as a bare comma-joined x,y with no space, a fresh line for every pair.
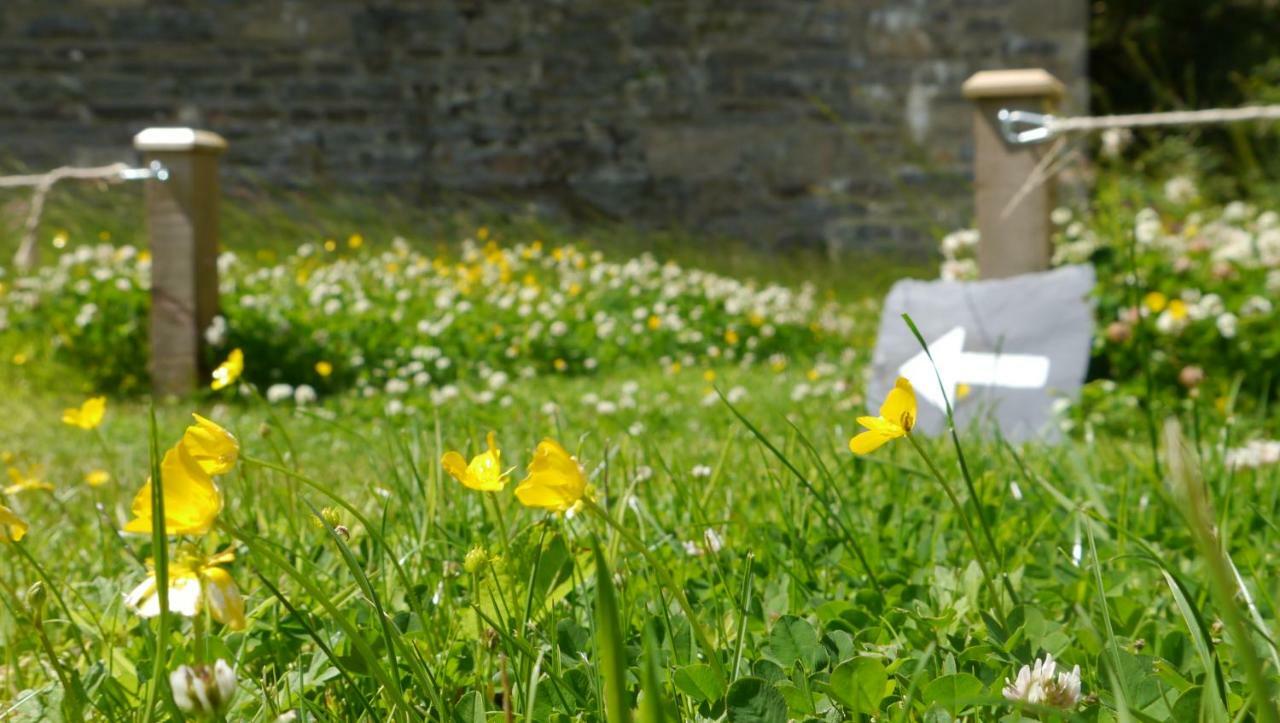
956,366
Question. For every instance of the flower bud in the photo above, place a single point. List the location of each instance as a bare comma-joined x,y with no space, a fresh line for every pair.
202,689
1119,332
1191,376
476,560
36,596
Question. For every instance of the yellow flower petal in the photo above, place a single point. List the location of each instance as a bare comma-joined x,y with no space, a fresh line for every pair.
484,473
455,465
15,526
897,417
228,371
26,482
900,406
191,500
223,598
869,441
213,448
97,477
88,415
555,480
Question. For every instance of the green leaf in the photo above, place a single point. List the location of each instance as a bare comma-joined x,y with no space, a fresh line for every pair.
860,684
470,709
752,700
793,640
953,691
700,682
652,704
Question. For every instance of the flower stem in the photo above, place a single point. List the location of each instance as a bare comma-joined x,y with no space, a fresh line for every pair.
964,520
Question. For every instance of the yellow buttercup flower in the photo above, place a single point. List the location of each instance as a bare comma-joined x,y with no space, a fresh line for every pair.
324,369
355,241
897,417
212,447
97,477
1177,309
555,480
195,582
228,371
485,471
191,499
88,415
1155,302
26,481
14,527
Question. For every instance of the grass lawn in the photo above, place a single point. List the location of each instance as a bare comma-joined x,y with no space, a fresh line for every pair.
717,566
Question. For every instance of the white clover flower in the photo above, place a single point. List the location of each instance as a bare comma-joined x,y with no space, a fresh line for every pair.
1146,226
1227,324
1257,453
700,471
394,408
1169,323
958,270
1061,216
304,394
713,540
396,385
1180,190
203,690
1236,211
1114,141
86,315
277,393
216,334
1044,685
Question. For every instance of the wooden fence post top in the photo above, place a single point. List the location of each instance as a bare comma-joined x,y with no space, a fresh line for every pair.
179,140
1022,82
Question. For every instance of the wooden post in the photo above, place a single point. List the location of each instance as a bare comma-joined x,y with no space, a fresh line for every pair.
1015,240
182,225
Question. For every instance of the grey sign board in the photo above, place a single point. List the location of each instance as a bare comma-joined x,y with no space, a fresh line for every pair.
1005,348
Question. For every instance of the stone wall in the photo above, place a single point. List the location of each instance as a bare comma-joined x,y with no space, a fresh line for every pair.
783,121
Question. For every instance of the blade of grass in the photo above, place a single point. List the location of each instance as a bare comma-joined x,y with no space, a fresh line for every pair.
160,556
610,644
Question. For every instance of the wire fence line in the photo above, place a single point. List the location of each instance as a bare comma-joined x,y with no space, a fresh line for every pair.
29,249
1025,128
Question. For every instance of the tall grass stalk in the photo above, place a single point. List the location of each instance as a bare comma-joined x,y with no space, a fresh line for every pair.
1185,478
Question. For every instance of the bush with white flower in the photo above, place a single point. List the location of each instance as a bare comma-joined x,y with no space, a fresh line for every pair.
397,319
1186,290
